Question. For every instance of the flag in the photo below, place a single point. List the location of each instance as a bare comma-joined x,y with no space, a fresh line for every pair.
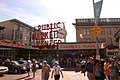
97,10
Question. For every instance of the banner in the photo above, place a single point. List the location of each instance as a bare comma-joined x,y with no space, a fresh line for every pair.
97,10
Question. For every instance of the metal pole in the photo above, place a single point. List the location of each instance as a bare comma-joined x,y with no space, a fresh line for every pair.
97,45
97,42
64,28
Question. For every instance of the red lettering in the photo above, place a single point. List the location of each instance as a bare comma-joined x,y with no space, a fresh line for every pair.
46,42
59,41
48,27
55,34
55,25
46,34
39,27
51,26
58,25
55,42
89,46
50,34
42,41
42,35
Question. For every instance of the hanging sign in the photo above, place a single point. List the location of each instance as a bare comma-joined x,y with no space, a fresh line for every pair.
95,30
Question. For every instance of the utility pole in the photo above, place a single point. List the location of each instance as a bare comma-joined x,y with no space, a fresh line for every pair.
97,10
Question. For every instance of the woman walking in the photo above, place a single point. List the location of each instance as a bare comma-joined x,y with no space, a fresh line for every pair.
28,67
56,71
34,68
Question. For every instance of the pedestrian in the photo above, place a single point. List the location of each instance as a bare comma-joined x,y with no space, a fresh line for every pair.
113,71
98,70
90,69
56,71
106,72
28,67
34,68
45,71
116,61
78,66
102,67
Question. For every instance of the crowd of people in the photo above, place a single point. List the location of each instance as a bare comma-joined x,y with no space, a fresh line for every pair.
46,69
104,69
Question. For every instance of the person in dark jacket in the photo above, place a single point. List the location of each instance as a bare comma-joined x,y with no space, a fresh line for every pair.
90,69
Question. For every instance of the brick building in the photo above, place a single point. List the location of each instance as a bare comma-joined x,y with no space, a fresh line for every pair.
109,27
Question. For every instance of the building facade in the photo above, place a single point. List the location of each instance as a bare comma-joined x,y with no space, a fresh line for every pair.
109,27
16,30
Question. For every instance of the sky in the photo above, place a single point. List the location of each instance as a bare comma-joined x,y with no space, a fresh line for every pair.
38,12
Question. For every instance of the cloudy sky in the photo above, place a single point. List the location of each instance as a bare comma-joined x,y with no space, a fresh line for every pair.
37,12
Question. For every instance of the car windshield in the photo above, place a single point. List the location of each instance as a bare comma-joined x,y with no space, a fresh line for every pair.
22,62
16,62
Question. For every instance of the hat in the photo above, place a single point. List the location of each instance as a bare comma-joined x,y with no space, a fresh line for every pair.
44,62
56,62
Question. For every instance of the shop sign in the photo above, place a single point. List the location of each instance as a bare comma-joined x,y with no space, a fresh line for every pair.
49,33
78,46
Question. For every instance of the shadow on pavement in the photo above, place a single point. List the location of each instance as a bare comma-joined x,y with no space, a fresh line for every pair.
69,69
25,78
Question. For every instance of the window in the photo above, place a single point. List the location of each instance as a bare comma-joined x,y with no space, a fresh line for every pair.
109,30
116,29
87,39
12,34
110,40
2,36
27,31
20,36
103,32
16,35
21,29
86,31
26,38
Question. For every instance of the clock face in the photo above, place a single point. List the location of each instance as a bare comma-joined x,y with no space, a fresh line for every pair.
62,33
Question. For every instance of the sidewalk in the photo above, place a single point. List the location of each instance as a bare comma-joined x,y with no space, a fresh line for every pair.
70,74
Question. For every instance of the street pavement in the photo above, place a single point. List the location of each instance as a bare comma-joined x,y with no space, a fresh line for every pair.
68,75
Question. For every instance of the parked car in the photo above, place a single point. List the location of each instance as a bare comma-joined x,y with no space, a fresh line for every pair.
3,70
15,67
24,62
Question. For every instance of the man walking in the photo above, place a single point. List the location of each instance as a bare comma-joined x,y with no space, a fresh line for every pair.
45,71
90,69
